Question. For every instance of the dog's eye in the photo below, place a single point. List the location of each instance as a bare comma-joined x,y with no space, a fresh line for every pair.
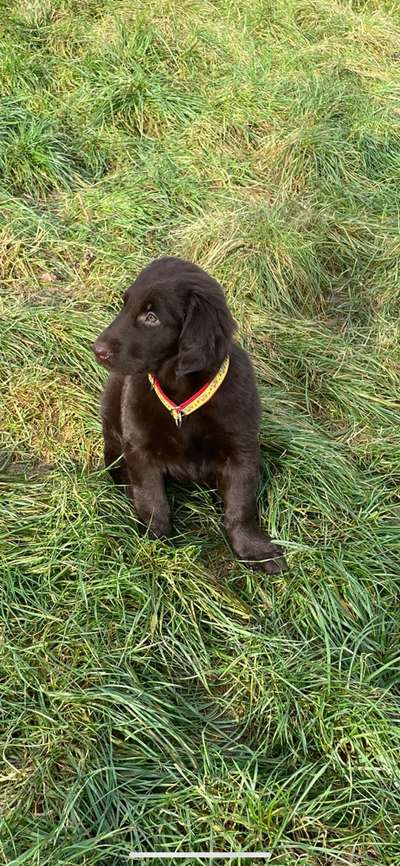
151,319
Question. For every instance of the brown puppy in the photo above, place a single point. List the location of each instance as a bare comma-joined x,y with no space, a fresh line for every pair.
175,325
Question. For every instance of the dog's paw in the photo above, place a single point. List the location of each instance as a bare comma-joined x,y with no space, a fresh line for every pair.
159,530
264,556
273,561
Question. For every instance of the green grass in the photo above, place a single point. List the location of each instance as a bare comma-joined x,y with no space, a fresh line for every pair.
162,695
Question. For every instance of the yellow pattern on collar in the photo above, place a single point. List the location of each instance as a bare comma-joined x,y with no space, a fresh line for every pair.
197,400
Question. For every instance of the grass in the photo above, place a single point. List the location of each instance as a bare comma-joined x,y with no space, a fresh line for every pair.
164,696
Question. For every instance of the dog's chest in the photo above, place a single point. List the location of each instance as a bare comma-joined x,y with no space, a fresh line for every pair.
193,451
193,458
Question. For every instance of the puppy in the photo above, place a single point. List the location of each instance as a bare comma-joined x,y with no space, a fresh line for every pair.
181,401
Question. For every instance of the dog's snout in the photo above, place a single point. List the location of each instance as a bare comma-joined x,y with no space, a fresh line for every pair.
103,351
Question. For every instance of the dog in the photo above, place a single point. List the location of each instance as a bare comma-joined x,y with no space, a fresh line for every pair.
181,401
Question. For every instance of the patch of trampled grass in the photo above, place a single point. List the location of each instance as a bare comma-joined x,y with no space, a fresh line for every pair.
161,695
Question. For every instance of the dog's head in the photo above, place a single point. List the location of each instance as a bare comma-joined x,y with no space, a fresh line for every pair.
173,310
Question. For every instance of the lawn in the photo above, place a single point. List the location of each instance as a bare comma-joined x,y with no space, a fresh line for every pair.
158,695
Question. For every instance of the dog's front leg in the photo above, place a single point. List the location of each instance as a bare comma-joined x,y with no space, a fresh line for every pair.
147,489
238,485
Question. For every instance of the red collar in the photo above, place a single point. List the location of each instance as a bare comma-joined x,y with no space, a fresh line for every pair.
196,400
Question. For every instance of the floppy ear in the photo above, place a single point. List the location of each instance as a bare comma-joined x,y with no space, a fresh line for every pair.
206,333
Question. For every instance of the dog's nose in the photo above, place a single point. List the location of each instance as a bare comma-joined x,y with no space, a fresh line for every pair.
102,351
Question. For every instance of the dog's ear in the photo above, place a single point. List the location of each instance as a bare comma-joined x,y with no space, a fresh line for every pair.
207,332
